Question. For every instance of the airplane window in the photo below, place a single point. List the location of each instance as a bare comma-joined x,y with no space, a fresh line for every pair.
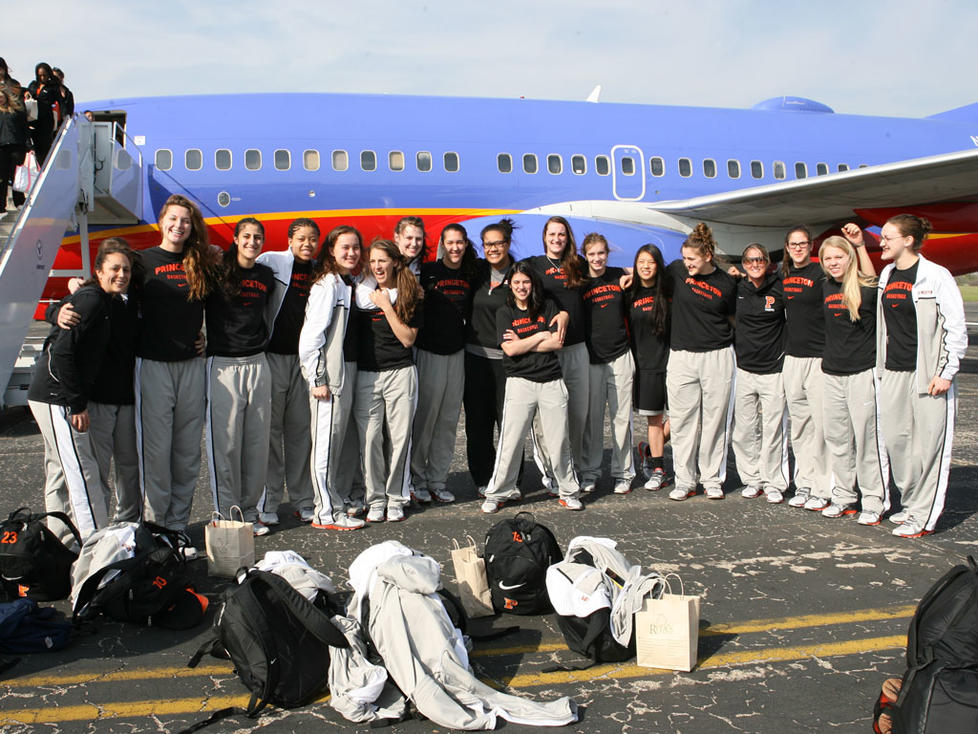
310,160
657,166
451,162
224,198
733,168
504,162
554,163
368,160
193,159
601,165
164,159
843,166
283,160
341,161
801,170
821,169
709,168
579,164
628,166
423,160
253,159
756,169
395,160
529,163
222,159
685,167
779,169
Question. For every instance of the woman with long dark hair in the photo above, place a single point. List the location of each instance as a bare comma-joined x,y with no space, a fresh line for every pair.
534,389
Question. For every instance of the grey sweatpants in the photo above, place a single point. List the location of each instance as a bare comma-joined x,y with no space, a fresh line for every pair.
335,449
918,431
574,363
441,383
610,384
760,439
700,385
170,405
289,436
386,398
113,429
803,396
238,402
72,483
855,443
526,400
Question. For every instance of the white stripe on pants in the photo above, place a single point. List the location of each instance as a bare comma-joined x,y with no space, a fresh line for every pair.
526,400
441,383
113,429
760,442
334,448
803,396
918,430
574,363
610,384
72,483
386,398
854,440
170,406
289,437
238,403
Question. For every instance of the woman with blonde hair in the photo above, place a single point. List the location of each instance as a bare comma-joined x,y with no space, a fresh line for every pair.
851,391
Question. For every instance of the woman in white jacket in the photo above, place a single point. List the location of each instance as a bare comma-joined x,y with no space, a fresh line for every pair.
328,358
921,338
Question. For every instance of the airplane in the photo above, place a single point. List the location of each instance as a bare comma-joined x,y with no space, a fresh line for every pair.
635,173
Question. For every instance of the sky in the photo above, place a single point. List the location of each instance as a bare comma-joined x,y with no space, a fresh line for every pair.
876,57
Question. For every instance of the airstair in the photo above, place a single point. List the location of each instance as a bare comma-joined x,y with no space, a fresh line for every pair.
93,174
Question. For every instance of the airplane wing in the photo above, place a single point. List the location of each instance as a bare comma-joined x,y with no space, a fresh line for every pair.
946,177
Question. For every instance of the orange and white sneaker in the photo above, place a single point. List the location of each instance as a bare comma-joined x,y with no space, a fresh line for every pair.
910,528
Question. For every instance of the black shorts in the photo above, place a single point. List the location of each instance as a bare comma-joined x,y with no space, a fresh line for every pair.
649,392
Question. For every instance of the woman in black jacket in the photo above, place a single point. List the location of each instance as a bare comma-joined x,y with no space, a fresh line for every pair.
13,140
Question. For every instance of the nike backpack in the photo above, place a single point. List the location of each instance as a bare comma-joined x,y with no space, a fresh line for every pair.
939,694
33,561
518,553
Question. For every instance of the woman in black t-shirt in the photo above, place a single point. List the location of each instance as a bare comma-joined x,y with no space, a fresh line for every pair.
534,389
387,381
701,366
851,397
648,319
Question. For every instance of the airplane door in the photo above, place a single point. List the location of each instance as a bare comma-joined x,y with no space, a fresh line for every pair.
628,175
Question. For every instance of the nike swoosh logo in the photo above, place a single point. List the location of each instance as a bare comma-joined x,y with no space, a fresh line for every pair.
504,587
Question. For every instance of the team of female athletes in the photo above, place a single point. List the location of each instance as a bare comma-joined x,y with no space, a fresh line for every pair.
339,373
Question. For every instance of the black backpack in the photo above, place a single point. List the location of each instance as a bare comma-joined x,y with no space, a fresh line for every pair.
278,641
518,553
939,693
33,561
151,588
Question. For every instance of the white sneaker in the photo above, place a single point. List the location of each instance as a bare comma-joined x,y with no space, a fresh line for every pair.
490,507
774,496
816,504
910,528
750,492
571,503
800,497
587,488
260,529
268,518
306,514
836,510
355,510
868,518
679,494
623,486
376,514
898,518
421,496
395,512
657,480
341,522
714,493
443,496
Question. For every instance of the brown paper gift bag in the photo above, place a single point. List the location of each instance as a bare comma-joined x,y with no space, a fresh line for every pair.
473,586
667,631
230,544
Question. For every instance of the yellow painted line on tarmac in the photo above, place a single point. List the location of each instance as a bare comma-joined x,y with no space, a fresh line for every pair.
42,681
133,709
809,620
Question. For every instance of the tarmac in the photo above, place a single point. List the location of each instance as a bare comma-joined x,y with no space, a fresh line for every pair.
802,617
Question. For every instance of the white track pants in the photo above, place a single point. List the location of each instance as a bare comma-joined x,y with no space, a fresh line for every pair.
113,429
760,439
574,364
441,383
610,385
335,449
803,395
289,437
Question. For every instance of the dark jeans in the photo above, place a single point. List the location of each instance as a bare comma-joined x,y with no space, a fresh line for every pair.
11,156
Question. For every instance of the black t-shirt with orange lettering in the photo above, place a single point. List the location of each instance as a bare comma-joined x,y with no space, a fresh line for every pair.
288,323
701,309
568,299
805,331
850,346
236,324
379,349
168,322
533,366
901,320
651,350
447,305
604,317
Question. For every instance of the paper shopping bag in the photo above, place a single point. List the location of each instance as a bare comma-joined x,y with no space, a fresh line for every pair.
473,586
230,544
667,631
